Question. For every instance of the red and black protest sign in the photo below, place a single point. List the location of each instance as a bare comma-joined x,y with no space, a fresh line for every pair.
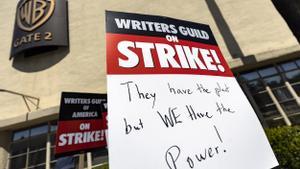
173,99
82,123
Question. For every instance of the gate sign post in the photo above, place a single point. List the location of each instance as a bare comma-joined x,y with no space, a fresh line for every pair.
173,101
82,123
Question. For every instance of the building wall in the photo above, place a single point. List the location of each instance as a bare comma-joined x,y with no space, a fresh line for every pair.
256,25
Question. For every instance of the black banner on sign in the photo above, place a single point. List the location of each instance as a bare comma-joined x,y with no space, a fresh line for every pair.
76,106
40,24
151,25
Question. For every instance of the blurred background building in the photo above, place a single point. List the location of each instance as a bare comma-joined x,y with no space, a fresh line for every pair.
259,39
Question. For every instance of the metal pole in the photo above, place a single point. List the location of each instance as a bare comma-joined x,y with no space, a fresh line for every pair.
293,92
89,160
48,148
81,161
48,153
25,98
16,93
278,106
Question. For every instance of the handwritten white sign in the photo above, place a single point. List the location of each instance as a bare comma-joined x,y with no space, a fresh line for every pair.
173,102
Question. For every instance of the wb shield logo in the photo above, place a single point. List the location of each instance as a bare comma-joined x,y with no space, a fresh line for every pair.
31,14
40,24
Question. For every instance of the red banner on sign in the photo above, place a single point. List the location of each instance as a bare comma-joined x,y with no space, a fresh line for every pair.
135,54
73,135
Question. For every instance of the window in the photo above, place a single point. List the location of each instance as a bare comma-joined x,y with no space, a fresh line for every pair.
282,94
100,156
275,77
29,148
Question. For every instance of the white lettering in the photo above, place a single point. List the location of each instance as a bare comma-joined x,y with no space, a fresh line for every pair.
70,136
78,138
62,140
193,58
84,114
132,59
146,50
81,137
176,56
166,55
84,126
208,60
122,23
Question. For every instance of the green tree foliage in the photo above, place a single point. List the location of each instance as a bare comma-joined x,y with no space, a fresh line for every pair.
105,166
285,142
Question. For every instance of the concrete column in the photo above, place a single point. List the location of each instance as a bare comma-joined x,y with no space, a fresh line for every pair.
278,106
4,148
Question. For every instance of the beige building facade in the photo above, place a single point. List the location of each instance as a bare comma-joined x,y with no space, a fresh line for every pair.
254,37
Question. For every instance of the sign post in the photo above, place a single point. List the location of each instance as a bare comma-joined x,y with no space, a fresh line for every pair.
174,102
81,161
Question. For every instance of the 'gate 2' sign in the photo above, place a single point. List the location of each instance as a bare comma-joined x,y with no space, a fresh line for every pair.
39,23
